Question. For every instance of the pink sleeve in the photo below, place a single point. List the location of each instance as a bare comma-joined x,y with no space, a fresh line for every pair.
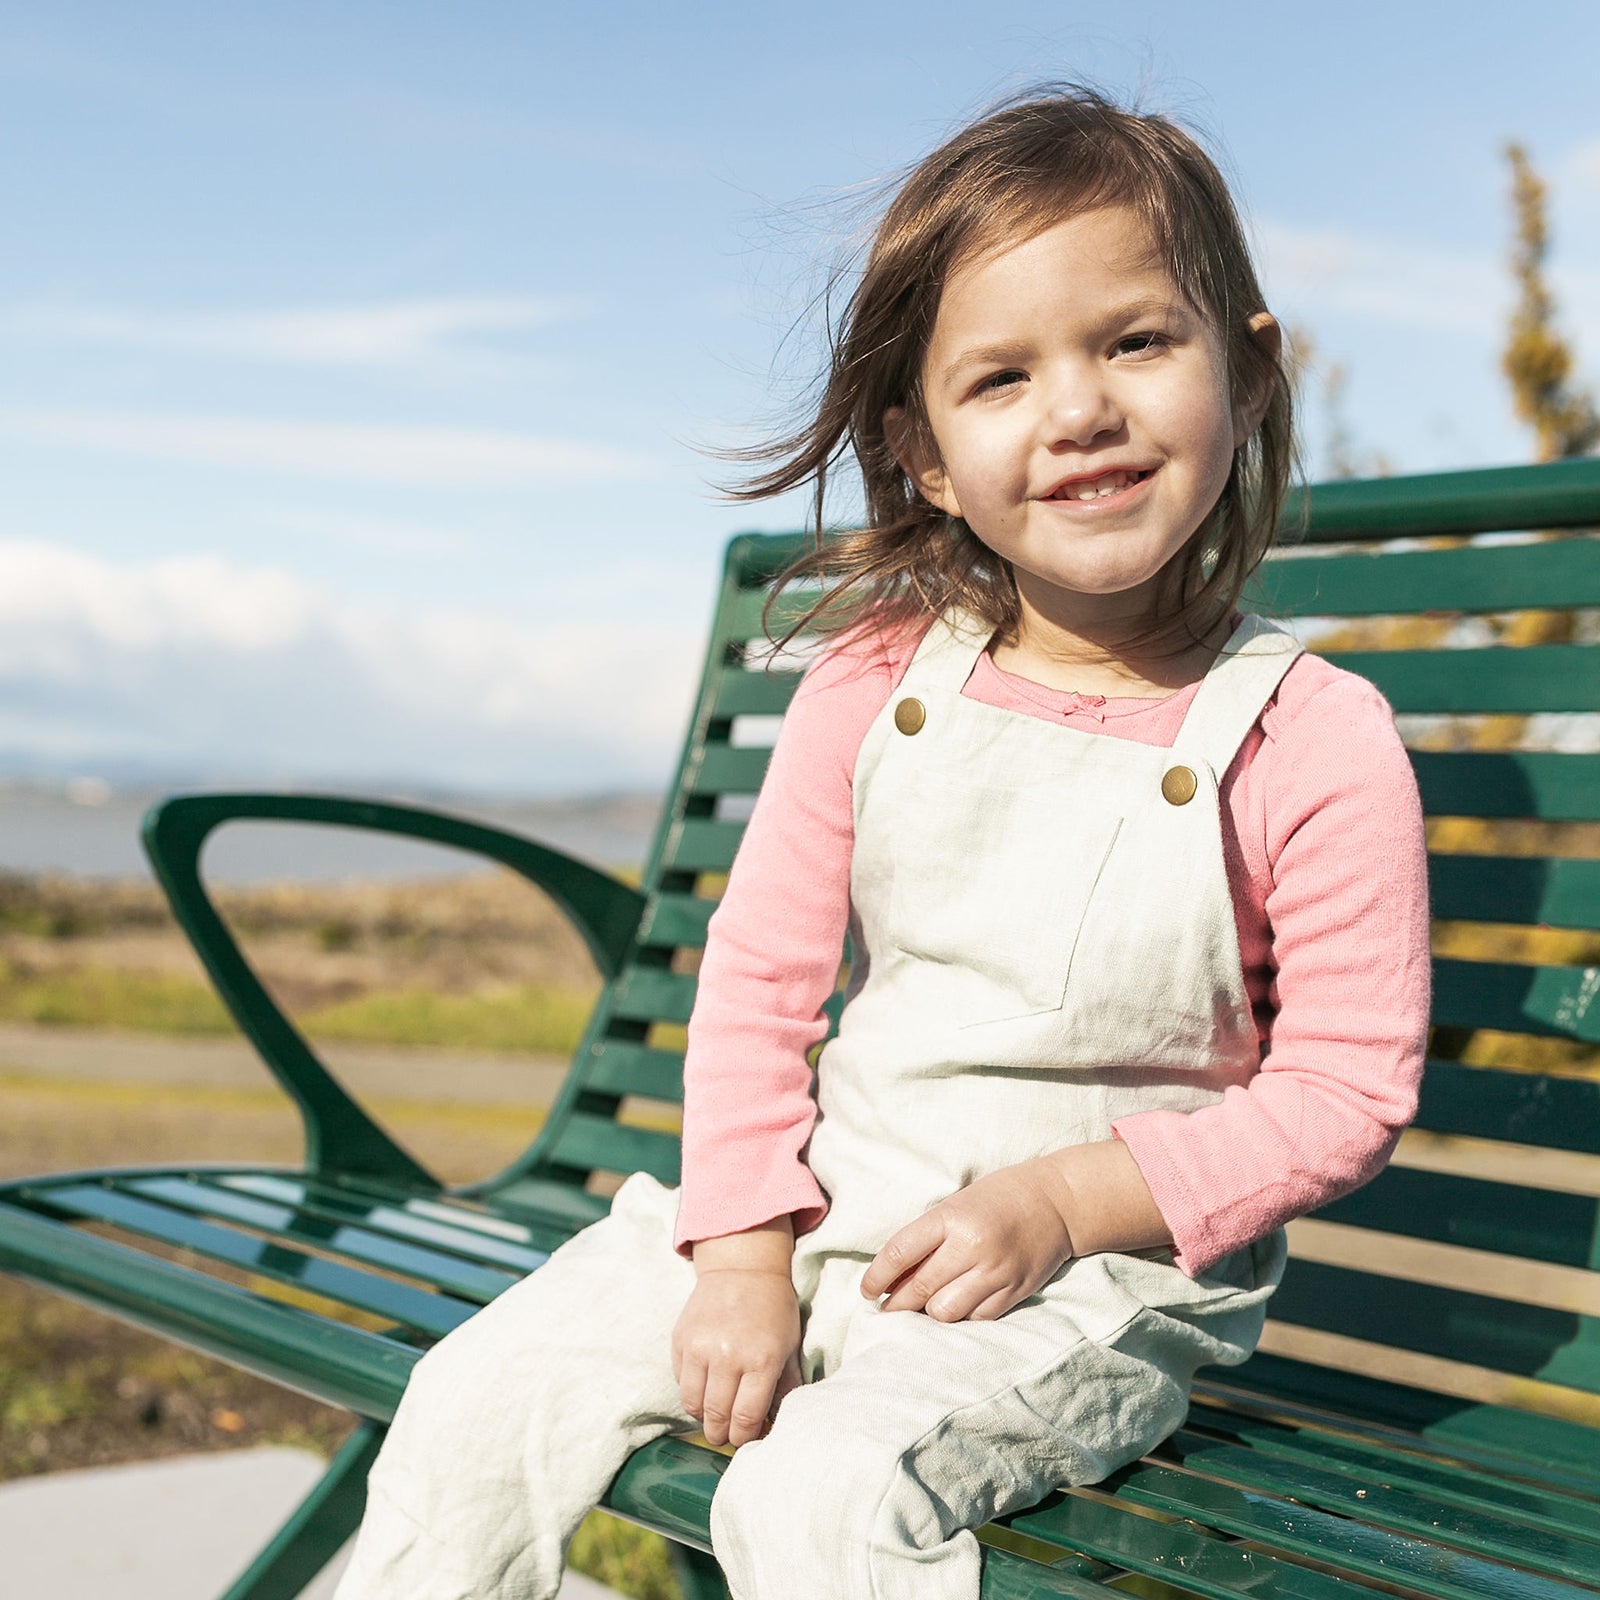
1348,909
772,960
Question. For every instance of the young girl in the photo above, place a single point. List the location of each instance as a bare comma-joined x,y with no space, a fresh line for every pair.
1136,896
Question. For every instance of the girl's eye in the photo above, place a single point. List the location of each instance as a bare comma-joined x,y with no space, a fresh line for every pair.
1138,344
999,381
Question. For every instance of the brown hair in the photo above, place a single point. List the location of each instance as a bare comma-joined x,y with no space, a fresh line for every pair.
1030,163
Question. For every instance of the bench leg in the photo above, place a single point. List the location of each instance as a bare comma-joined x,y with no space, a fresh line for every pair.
698,1575
319,1525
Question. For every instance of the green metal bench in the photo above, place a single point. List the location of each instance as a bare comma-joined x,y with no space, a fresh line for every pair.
1425,1419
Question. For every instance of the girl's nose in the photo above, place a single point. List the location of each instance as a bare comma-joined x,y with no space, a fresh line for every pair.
1081,409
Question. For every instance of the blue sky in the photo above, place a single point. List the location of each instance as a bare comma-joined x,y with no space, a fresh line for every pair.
355,359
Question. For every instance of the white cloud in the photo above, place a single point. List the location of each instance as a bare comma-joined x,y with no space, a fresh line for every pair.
202,665
447,458
437,333
1308,271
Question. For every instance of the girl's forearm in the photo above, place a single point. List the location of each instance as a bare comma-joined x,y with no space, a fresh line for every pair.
1104,1199
767,1247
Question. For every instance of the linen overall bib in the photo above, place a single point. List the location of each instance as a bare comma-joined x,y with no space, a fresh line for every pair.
1045,940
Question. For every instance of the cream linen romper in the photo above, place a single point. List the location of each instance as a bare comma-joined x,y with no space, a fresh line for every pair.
1045,941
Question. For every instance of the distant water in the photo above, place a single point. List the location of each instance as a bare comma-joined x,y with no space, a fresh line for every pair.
89,831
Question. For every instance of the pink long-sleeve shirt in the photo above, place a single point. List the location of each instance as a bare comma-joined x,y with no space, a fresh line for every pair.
1323,842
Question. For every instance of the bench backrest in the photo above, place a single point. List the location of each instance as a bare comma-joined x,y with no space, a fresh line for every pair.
1472,1259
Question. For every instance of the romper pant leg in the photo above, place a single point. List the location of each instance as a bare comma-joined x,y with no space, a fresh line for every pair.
872,1477
512,1427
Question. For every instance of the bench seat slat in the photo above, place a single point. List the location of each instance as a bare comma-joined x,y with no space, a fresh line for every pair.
1531,1340
1532,576
1506,1219
330,1361
1187,1556
1548,677
1454,1485
1519,1107
1553,1002
1418,1564
456,1230
1372,1497
1515,889
427,1313
359,1242
1521,1445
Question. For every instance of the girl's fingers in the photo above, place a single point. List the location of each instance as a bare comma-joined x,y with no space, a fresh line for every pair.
941,1268
692,1386
901,1255
752,1405
721,1389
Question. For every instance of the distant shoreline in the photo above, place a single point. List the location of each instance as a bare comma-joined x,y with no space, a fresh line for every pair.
93,832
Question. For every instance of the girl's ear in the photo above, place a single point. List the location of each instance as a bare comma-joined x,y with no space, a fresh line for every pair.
1250,409
925,471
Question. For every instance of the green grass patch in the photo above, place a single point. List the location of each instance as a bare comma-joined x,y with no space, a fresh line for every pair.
105,997
532,1017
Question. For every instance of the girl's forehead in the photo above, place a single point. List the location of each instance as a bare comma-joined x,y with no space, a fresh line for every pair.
1090,254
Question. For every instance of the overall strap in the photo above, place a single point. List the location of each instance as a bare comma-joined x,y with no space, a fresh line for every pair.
1241,681
947,654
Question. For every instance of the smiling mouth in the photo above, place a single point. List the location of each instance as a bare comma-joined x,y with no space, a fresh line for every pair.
1108,483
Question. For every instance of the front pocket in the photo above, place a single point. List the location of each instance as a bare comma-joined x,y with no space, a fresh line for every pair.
993,885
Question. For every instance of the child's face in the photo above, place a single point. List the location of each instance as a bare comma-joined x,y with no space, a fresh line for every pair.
1069,366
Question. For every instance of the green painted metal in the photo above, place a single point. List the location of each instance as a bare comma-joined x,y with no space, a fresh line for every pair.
339,1135
464,1280
1417,1564
1563,573
1552,1002
1549,785
1520,1107
318,1527
1530,1340
653,994
1521,1446
676,919
1539,678
1375,1500
1562,494
432,1314
1365,1464
1536,1224
447,1228
616,1067
1529,889
601,1145
344,1366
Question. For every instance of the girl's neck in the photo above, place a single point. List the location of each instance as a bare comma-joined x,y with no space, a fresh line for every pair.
1117,662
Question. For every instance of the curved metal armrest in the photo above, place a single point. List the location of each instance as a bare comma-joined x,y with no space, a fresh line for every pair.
340,1137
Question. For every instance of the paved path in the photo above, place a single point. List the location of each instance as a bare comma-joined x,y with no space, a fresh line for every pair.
180,1529
390,1072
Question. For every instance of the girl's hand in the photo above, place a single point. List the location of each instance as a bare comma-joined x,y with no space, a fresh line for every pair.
977,1254
736,1350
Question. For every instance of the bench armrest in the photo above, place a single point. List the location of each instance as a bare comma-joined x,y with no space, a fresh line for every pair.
340,1137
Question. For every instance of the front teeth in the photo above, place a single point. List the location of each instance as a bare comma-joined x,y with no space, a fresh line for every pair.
1101,487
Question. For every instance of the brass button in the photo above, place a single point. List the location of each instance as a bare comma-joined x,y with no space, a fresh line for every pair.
1178,786
909,716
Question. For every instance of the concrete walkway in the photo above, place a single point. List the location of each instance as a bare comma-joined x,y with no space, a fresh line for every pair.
181,1529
